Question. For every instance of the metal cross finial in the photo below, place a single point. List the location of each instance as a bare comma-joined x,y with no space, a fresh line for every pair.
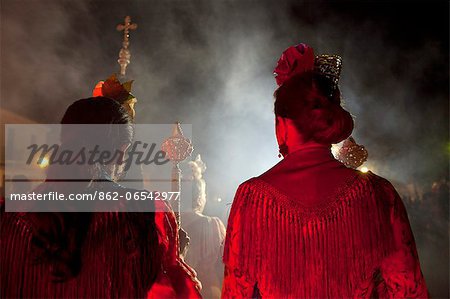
124,54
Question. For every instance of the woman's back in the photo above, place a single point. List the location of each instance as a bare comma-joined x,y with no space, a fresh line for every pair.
312,228
106,250
119,255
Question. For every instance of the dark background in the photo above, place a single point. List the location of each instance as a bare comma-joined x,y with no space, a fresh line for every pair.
210,63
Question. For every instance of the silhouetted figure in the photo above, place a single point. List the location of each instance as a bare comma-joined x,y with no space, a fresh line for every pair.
91,254
206,235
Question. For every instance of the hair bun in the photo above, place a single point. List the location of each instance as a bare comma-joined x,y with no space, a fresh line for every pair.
339,126
320,118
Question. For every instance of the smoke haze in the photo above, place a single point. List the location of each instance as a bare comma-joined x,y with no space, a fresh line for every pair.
210,63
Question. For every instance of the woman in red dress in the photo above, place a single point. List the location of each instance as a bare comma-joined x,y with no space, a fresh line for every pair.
93,254
310,227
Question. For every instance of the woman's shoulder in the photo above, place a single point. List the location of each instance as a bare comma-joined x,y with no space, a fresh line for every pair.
378,181
383,190
378,184
251,188
249,184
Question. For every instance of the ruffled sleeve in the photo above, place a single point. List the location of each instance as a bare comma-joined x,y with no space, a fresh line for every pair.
401,276
238,283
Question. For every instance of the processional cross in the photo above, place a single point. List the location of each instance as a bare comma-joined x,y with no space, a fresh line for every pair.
177,147
124,54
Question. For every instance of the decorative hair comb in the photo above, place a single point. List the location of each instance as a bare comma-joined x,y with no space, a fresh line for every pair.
299,59
329,66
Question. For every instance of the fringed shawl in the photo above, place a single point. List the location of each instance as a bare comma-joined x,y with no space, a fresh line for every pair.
115,262
357,244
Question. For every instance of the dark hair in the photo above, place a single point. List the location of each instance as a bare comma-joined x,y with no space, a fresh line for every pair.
113,128
321,119
98,110
58,237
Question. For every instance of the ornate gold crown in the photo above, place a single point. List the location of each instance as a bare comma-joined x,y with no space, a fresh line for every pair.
329,66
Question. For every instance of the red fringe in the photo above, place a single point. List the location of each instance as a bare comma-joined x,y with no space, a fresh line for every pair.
333,251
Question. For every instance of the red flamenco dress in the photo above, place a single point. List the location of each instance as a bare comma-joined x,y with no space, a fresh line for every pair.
123,255
312,228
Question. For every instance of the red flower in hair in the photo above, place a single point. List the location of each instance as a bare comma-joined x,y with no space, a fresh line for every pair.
294,60
113,89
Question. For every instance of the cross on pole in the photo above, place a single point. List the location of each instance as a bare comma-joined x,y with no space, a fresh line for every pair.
124,54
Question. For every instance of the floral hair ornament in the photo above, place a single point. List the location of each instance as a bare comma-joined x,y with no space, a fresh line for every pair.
300,58
294,60
120,92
